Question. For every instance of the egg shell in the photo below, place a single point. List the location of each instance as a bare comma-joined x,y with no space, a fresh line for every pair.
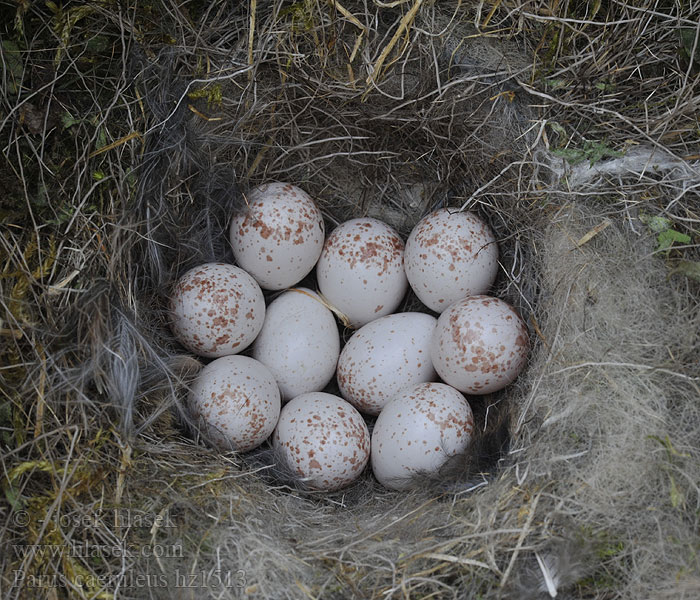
279,238
216,309
385,356
323,439
237,400
299,342
418,431
361,271
480,345
449,256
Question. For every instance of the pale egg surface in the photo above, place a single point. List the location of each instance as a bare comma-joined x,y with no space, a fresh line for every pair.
418,432
237,400
299,342
279,238
450,255
361,271
385,356
480,345
323,439
216,309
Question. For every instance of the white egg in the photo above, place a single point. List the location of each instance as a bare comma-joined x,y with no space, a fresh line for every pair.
449,256
216,309
480,345
238,401
279,238
418,432
323,439
361,272
299,342
385,356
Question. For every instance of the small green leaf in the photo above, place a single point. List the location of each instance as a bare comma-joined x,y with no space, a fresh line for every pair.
18,425
688,268
556,84
557,127
591,151
98,44
666,238
570,155
13,498
605,87
655,223
101,137
598,150
68,120
663,227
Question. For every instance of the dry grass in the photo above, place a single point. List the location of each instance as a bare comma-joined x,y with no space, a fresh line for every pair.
128,137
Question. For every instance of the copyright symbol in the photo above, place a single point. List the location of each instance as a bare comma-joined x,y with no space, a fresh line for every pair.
21,518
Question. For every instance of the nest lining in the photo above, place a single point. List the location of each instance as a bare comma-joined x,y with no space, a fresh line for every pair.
595,491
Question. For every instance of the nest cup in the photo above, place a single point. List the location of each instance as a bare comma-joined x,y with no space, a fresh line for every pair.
581,481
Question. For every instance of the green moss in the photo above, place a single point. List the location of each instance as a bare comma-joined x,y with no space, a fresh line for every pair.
591,151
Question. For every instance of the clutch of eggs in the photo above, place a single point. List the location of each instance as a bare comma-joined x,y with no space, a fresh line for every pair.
388,368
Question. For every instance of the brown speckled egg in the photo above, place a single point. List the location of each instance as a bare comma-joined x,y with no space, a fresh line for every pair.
480,345
450,255
299,342
323,439
385,356
419,430
216,309
237,400
278,239
361,270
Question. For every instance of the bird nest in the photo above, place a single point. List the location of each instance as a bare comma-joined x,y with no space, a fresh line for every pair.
130,137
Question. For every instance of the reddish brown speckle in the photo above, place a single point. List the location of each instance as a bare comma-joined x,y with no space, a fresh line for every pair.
265,230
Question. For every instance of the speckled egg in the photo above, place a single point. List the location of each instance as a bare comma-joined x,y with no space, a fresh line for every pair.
449,256
237,400
323,439
279,238
385,356
418,431
299,342
216,309
480,345
361,271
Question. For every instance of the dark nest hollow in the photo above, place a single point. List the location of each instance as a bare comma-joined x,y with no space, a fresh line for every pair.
129,138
